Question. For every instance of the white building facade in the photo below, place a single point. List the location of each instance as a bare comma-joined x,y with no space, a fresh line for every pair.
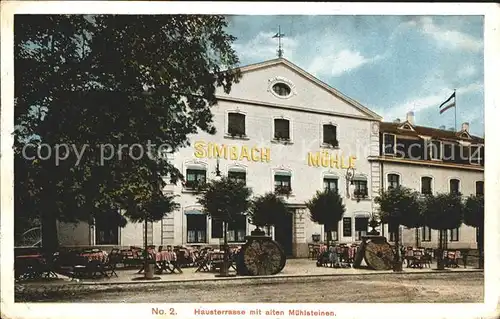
279,128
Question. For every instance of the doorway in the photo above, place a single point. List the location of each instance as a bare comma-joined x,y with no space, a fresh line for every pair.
283,234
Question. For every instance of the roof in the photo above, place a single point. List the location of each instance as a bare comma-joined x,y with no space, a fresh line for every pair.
395,128
310,77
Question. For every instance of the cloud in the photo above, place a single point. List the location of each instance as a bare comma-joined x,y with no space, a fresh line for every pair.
467,71
341,62
433,99
450,39
263,47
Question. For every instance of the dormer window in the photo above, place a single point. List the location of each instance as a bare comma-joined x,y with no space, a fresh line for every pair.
236,124
389,144
281,129
407,127
330,135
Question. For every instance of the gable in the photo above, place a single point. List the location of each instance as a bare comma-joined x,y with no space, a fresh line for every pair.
306,92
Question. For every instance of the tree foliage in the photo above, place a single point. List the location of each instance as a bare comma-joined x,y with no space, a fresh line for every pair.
326,208
267,210
399,206
90,81
443,211
224,199
474,211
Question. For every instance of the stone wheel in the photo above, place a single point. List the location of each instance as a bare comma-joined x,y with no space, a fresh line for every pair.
263,257
379,255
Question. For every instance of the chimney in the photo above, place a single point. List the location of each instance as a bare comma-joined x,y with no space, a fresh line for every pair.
397,121
410,118
442,127
465,126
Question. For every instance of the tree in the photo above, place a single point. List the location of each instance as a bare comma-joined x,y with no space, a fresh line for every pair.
442,212
96,83
326,208
398,206
224,199
474,216
267,210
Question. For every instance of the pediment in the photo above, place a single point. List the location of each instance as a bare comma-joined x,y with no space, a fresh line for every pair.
281,83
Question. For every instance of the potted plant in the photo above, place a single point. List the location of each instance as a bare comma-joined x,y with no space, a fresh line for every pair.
373,223
316,237
332,142
282,190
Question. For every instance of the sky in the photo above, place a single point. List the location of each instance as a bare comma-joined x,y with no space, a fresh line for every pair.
390,64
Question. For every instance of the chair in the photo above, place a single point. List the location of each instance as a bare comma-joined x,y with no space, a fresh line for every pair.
109,267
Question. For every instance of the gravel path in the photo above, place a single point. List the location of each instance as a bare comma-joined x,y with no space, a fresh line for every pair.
438,287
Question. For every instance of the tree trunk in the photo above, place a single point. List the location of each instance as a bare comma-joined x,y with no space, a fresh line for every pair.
480,245
417,237
440,263
328,239
224,270
50,242
398,266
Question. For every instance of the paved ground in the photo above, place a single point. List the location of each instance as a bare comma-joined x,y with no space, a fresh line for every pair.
294,267
425,287
300,281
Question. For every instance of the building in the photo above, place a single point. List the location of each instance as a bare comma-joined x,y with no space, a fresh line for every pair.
431,161
281,128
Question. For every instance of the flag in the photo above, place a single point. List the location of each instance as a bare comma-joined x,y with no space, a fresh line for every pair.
449,106
276,35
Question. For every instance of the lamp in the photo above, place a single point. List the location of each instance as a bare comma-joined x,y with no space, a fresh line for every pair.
349,177
217,170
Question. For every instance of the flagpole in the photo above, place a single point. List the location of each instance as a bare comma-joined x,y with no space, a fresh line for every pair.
455,98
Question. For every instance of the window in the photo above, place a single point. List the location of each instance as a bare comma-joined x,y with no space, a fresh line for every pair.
392,181
464,154
361,227
435,150
392,232
106,232
347,227
195,177
282,184
448,151
237,176
426,185
454,186
389,144
454,234
331,184
475,154
477,234
426,233
330,135
217,228
196,228
479,188
237,229
334,232
282,89
281,129
360,188
236,124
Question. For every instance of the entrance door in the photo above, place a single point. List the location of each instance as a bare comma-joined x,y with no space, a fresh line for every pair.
283,234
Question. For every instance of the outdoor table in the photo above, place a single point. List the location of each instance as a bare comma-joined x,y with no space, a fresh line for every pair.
100,256
165,259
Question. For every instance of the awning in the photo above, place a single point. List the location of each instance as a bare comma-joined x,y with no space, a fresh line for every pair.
237,169
283,173
360,178
193,212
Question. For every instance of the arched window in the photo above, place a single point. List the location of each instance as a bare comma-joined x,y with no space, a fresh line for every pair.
393,181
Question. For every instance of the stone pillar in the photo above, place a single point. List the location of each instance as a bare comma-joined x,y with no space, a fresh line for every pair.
300,249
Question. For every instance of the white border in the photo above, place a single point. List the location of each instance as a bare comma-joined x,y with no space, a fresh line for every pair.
492,169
